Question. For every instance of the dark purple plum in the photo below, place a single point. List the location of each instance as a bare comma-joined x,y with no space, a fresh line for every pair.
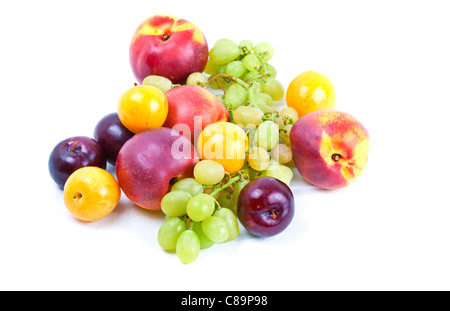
74,153
265,206
111,135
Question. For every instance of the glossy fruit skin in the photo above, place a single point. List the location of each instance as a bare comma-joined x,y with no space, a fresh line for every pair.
188,102
91,193
142,107
265,206
310,91
167,46
225,143
330,148
146,168
74,153
111,134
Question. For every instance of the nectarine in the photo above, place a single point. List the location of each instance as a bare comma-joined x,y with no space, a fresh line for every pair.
151,162
167,46
188,102
330,148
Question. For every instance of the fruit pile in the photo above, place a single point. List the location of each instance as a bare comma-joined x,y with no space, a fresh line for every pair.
209,161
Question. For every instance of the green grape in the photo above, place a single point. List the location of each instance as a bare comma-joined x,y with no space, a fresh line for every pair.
230,219
247,115
278,120
266,109
221,68
256,86
200,207
270,71
267,135
263,99
205,242
252,62
196,78
289,115
252,76
169,233
219,83
237,187
162,83
188,247
174,203
285,134
254,174
236,69
235,95
264,102
274,88
246,46
279,171
252,138
211,68
216,229
281,153
258,159
224,51
265,50
190,185
209,172
225,198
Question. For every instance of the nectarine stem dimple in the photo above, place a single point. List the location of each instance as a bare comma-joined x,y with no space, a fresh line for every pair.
336,157
165,37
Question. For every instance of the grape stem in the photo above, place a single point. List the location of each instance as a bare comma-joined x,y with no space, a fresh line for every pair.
261,76
263,66
251,98
228,184
245,85
270,116
188,221
224,75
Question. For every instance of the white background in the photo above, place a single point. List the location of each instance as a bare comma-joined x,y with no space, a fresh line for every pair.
64,64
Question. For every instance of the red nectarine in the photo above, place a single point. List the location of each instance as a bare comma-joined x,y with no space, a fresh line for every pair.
150,162
189,101
168,46
330,148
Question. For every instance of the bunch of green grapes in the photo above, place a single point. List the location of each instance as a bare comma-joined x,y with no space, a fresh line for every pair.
195,219
243,73
201,211
270,151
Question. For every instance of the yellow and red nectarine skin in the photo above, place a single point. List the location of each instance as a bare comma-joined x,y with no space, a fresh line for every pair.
330,148
168,46
189,101
146,165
